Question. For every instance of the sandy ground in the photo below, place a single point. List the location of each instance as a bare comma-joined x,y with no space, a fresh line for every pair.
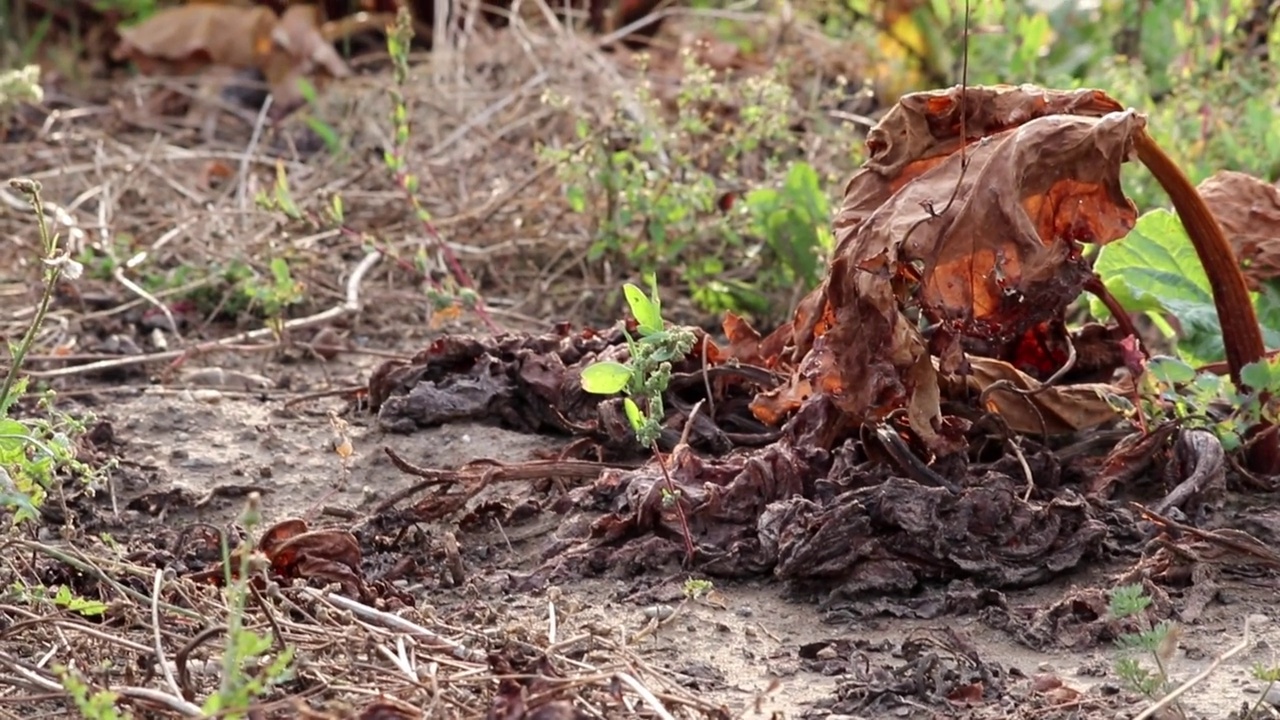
753,647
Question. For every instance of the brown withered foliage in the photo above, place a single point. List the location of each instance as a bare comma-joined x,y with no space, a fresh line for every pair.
1248,209
921,394
189,38
985,244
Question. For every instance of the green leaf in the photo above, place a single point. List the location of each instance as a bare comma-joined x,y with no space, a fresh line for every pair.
647,312
1261,375
633,413
605,377
1155,268
1170,371
16,391
577,198
280,270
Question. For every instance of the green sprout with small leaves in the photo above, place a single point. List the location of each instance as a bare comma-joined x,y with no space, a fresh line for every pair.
696,588
36,452
646,377
1156,641
246,676
648,373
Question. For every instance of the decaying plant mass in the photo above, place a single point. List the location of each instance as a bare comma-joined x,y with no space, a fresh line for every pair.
533,378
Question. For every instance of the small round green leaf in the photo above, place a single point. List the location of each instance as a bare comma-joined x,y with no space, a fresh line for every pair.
605,377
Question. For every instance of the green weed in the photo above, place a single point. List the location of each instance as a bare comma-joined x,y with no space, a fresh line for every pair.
648,373
36,452
695,588
244,676
660,188
1157,642
645,377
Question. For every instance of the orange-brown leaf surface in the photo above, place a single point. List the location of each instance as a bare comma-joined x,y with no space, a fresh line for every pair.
984,246
1248,209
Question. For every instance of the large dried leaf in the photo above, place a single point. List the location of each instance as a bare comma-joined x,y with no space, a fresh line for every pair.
985,244
1248,209
1029,407
190,37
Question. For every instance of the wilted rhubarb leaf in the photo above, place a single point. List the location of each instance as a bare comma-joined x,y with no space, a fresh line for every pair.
1248,209
188,38
1156,269
1038,409
984,245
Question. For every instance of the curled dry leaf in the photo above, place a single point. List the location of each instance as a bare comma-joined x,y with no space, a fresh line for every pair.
329,555
1248,209
985,245
299,48
1030,407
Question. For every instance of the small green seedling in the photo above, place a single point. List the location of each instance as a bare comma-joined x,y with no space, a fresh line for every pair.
1158,641
694,588
646,376
648,373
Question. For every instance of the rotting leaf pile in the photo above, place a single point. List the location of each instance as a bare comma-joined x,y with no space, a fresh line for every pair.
918,389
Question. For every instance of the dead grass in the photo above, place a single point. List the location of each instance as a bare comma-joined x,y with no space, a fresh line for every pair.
160,650
162,193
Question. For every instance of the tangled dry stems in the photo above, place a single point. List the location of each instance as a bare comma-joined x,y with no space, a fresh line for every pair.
163,649
115,171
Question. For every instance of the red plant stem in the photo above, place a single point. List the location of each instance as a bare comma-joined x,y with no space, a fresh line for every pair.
689,549
459,273
1241,334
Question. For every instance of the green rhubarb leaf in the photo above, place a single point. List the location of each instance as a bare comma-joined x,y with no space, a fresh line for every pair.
1155,269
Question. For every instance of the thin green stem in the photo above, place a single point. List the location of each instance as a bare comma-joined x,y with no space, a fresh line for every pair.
1257,704
53,270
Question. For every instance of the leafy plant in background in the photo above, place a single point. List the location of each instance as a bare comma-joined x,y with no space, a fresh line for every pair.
1170,388
460,292
659,190
20,85
276,296
1155,271
1188,65
794,221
